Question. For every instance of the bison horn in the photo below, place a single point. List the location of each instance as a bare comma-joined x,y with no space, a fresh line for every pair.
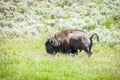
54,42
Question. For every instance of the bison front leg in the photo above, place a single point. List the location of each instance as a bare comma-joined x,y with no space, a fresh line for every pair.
68,51
75,52
72,51
80,50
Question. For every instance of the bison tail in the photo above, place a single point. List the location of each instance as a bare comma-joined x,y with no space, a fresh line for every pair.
95,35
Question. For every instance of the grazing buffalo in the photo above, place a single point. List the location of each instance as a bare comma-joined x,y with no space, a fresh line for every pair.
53,46
70,41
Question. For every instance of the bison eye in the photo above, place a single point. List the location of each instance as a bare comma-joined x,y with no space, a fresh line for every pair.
52,44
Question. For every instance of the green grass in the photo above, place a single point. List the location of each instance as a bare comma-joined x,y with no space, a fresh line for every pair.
108,21
26,59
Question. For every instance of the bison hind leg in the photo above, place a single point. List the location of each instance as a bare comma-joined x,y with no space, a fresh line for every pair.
88,51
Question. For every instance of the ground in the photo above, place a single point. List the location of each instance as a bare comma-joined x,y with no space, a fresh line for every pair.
25,58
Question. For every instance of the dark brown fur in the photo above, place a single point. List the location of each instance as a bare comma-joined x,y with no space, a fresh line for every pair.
73,39
70,40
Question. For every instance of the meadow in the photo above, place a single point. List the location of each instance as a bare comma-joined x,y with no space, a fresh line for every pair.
25,25
26,59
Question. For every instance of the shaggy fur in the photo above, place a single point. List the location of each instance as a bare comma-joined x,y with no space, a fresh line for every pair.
70,41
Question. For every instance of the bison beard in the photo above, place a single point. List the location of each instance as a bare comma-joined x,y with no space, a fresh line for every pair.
70,41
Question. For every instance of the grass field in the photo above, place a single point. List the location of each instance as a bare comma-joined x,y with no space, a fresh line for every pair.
26,24
25,58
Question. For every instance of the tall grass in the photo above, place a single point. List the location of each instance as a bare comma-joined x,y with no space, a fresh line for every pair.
26,59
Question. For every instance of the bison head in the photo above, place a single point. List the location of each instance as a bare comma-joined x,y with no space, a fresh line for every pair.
51,45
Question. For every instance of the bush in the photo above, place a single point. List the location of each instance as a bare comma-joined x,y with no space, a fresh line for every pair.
40,16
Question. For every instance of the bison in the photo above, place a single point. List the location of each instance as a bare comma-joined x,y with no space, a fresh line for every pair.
70,41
